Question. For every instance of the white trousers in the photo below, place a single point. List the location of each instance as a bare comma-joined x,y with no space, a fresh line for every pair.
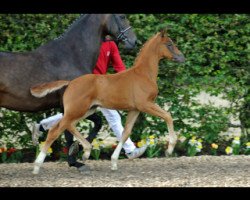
51,121
114,121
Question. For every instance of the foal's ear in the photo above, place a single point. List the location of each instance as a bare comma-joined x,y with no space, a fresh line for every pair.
163,32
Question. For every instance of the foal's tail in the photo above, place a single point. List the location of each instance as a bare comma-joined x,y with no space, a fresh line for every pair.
43,89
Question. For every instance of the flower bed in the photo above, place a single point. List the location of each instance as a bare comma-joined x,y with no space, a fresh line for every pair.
187,145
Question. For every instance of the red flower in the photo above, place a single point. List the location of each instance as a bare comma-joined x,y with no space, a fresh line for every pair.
65,150
10,151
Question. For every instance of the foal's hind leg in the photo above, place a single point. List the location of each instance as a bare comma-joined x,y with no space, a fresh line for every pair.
130,121
155,110
86,145
53,134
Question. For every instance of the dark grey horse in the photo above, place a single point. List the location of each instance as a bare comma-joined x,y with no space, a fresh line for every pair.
73,54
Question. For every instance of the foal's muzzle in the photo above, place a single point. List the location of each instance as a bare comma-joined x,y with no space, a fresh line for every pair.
179,58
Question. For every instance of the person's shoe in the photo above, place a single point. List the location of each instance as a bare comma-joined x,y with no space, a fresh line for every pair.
36,133
137,152
74,149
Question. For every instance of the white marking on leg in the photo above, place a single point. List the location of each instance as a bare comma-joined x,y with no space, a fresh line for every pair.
172,138
115,156
86,155
38,162
172,142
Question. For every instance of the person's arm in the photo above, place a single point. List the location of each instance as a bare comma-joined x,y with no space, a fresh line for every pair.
115,58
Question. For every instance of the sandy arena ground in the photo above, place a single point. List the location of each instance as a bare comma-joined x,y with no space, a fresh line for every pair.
199,171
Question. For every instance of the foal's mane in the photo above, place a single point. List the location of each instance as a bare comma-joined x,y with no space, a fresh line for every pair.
145,47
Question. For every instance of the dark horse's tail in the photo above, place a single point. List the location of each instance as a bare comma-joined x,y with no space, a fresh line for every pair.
43,89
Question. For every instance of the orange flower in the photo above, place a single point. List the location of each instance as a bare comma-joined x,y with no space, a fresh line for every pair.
3,149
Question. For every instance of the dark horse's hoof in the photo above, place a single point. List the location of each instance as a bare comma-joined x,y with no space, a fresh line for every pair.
73,163
84,169
80,166
76,164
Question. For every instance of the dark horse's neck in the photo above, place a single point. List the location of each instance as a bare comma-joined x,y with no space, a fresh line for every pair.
78,46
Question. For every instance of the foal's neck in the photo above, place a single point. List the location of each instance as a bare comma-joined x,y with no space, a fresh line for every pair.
148,60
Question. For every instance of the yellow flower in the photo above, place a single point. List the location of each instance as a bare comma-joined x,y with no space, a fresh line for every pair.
214,146
96,144
151,141
42,143
50,150
200,140
151,137
192,141
237,138
229,150
199,146
248,144
141,143
194,138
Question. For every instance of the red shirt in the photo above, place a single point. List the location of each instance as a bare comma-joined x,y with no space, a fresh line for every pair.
109,54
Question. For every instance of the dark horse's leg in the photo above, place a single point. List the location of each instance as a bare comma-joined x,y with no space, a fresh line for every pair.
69,138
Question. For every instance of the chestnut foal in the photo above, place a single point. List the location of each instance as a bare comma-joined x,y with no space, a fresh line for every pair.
134,90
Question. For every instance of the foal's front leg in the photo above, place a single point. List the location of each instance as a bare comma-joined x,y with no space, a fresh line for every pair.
154,109
130,121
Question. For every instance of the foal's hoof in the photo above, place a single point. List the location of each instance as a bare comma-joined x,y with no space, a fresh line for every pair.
84,159
36,170
113,166
168,155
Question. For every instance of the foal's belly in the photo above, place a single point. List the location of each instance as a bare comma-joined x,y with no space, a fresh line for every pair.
117,103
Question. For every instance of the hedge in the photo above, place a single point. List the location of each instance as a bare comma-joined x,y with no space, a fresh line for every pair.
217,51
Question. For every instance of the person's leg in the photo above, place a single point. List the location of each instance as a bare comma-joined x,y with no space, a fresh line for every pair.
50,121
97,126
44,125
114,120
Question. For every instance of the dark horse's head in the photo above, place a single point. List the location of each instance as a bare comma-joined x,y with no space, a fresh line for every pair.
118,27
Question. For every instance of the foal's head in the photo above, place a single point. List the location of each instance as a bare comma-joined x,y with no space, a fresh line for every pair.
168,49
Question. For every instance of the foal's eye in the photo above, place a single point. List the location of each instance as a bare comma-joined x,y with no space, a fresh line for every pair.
169,44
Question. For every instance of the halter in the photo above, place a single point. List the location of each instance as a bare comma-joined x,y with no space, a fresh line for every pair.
121,35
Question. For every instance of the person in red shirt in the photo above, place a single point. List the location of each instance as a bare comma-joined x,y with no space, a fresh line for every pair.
109,55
